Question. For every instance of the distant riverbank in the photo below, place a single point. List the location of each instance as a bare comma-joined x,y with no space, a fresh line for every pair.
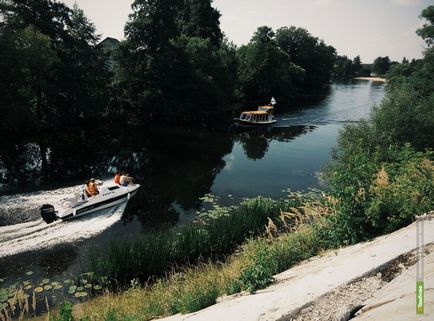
380,79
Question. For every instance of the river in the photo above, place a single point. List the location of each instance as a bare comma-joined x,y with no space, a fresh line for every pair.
179,170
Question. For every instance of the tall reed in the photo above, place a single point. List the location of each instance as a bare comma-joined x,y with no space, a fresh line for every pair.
156,253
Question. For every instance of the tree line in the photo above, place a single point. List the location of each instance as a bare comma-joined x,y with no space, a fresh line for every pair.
175,66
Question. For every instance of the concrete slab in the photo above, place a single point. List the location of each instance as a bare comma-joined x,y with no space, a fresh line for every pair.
397,300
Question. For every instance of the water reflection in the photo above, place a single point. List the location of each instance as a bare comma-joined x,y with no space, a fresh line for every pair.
255,141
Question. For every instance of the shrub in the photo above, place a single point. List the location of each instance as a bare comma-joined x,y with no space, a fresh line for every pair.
258,273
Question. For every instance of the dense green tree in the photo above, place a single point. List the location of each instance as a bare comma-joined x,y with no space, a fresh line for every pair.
308,52
37,60
265,70
381,65
174,66
427,31
199,19
342,68
357,66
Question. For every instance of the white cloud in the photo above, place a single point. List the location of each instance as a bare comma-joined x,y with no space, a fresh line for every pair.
406,2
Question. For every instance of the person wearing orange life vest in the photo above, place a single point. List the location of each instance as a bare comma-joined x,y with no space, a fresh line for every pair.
91,188
117,179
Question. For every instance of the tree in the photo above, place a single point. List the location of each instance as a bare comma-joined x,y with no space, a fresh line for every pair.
199,19
308,52
427,31
342,68
381,65
357,66
37,59
174,66
265,70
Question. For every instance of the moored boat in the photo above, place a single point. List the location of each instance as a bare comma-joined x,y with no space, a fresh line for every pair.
69,208
262,117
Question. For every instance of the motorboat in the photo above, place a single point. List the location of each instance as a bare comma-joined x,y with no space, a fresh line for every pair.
262,117
110,194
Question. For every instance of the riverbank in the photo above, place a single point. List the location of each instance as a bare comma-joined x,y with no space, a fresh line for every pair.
334,285
377,79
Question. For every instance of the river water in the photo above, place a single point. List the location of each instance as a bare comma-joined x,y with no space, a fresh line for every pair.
177,168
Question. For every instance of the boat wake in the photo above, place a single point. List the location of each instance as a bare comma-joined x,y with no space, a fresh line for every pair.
27,232
36,235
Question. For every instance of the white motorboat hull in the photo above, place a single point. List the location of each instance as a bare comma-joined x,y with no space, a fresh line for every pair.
109,196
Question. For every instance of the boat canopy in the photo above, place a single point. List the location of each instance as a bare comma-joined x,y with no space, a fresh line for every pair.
255,112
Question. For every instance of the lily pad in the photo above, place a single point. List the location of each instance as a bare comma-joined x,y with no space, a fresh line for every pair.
54,283
97,287
88,286
48,287
45,281
57,287
3,295
25,283
1,280
39,289
72,289
3,306
68,281
80,294
84,281
28,287
80,289
29,273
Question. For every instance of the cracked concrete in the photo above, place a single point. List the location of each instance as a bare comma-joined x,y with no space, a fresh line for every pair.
307,282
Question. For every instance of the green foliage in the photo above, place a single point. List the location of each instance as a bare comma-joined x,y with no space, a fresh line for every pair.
65,313
265,70
406,117
378,190
258,273
155,253
191,300
383,175
50,49
309,53
174,66
381,65
427,31
344,67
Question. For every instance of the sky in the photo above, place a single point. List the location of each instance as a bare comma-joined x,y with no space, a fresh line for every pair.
369,28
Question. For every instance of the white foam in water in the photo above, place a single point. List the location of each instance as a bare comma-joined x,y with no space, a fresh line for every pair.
37,234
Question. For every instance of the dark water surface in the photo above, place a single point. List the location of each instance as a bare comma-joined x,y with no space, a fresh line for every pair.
176,168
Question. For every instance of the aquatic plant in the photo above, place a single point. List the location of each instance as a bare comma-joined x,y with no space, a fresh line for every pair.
156,253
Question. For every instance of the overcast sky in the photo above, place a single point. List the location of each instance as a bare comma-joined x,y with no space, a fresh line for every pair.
369,28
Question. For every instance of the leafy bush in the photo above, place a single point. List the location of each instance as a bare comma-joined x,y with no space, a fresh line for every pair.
376,196
258,273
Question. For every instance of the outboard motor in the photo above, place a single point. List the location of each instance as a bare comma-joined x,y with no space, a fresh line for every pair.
48,213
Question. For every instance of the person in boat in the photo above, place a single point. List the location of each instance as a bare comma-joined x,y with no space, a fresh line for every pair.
91,188
125,179
117,179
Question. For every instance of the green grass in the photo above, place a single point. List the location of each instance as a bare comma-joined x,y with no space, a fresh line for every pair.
156,253
195,287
